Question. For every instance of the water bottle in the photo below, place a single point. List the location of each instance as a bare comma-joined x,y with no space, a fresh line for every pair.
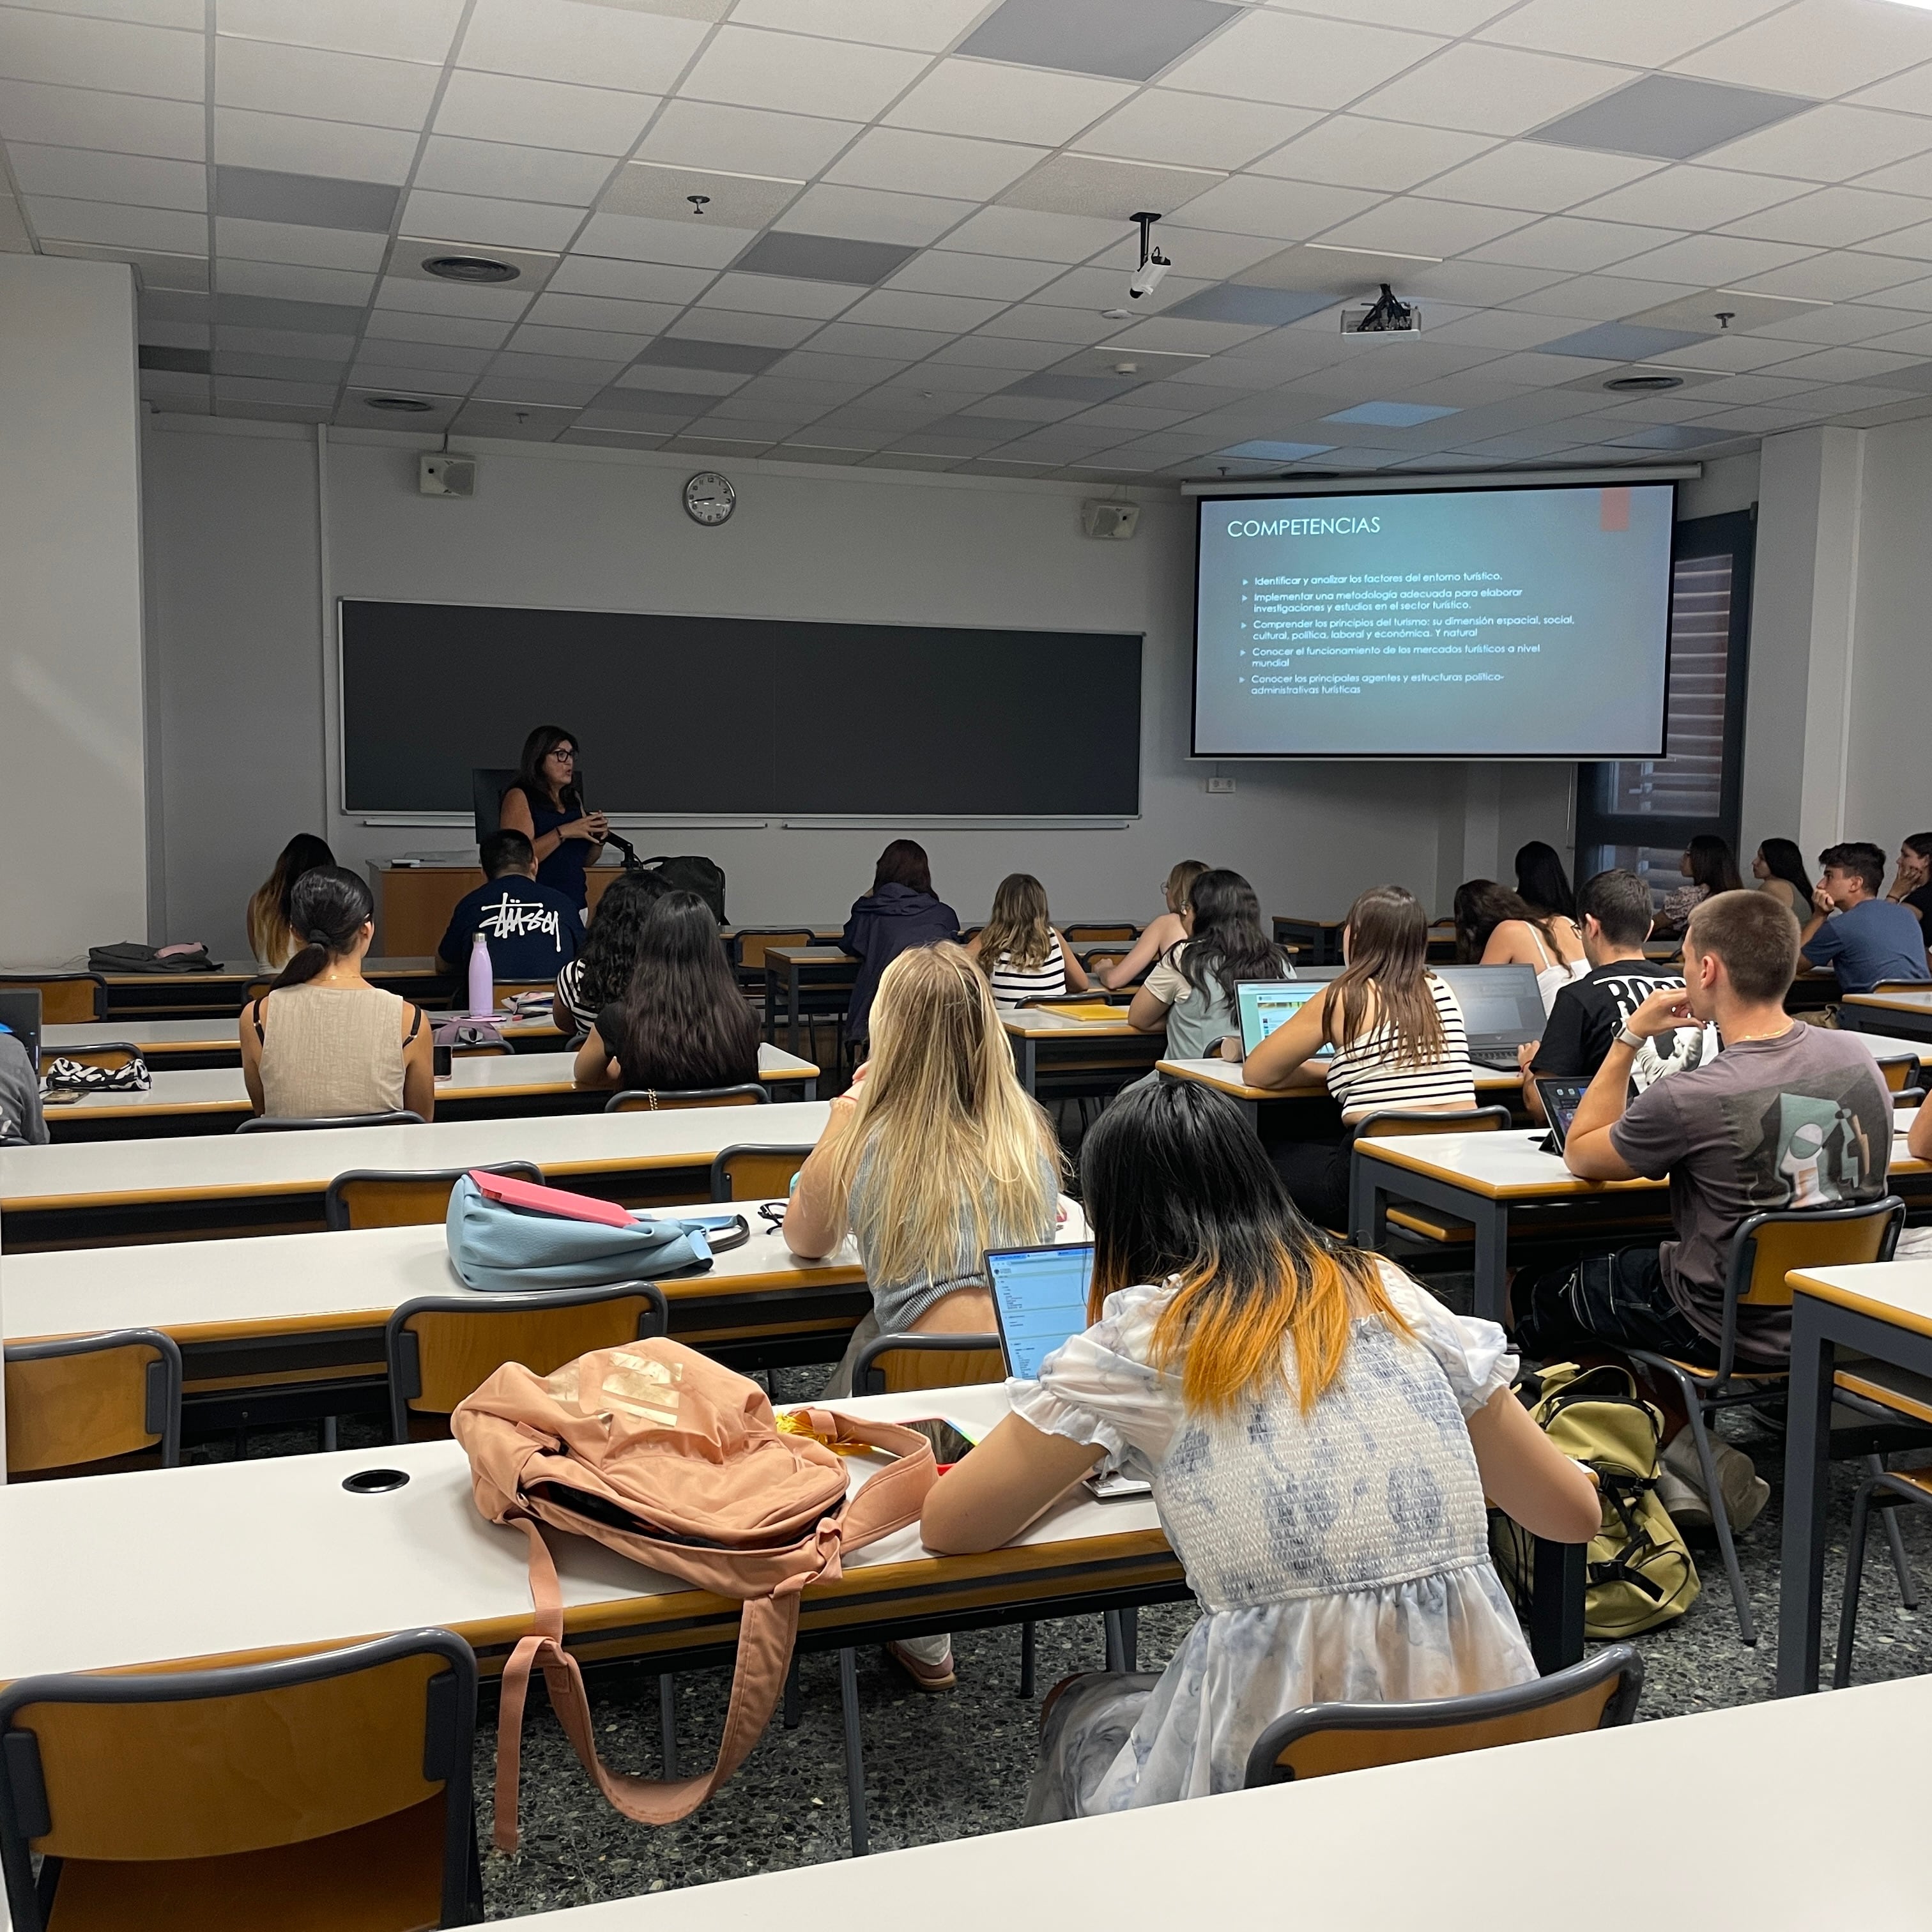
482,979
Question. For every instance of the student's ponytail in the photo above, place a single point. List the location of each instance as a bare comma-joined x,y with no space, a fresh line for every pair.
327,909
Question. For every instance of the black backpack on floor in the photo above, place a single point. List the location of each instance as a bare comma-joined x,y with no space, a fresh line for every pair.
690,874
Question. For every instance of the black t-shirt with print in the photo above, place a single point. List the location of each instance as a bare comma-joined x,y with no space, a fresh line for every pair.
1588,1013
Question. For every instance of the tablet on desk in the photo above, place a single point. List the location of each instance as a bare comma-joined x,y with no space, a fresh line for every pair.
1560,1099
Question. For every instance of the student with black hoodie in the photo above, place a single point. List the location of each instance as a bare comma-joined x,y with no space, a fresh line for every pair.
901,912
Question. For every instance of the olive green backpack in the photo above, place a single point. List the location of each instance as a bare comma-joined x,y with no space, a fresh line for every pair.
1640,1573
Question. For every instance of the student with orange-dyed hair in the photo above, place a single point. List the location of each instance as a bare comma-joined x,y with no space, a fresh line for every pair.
1320,1433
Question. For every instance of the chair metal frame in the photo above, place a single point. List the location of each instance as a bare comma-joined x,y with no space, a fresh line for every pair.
1619,1661
402,1355
1706,1391
163,1416
721,1177
1101,932
653,1100
268,1123
1425,1120
1890,1490
448,1738
335,1211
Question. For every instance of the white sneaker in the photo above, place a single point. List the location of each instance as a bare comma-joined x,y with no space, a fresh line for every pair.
1685,1506
1745,1491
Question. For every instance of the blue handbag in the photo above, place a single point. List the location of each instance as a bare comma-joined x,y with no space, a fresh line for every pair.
512,1238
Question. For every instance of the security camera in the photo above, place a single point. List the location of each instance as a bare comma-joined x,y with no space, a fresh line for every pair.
1146,278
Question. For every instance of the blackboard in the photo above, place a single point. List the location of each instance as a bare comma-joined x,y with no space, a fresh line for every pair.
733,716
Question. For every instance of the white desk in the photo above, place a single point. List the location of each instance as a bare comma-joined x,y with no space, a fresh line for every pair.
1827,1791
115,1190
1906,1011
1225,1075
211,1100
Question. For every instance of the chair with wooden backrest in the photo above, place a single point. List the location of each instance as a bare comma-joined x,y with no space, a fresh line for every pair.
93,1403
67,999
753,1173
1765,1251
1899,1074
328,1793
890,1364
1091,933
475,1049
1321,1739
1393,1122
401,1197
749,944
1096,957
443,1347
257,989
269,1124
651,1100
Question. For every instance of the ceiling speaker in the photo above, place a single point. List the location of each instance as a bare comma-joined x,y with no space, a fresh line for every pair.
1110,520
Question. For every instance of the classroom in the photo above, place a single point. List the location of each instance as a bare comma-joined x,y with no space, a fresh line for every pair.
924,916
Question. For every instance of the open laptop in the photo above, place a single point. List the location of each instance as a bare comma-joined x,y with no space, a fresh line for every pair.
20,1014
1265,1004
1502,1009
1040,1298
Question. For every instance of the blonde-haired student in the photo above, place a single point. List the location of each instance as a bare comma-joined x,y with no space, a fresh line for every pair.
1019,948
1166,932
1320,1433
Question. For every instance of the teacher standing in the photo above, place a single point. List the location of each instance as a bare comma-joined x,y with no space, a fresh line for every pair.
544,801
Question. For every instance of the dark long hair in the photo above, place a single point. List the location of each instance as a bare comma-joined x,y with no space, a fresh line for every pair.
609,954
529,779
1783,860
1175,1182
328,908
268,911
1481,906
1541,881
686,1023
1388,969
1228,942
903,862
1713,868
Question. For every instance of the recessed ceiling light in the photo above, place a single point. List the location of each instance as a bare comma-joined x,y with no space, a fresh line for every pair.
1628,385
470,268
408,406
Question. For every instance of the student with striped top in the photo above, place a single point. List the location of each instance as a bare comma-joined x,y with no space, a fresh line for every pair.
1397,1037
1019,950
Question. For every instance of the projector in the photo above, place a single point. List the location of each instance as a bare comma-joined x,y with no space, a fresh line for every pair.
1386,315
1109,520
446,475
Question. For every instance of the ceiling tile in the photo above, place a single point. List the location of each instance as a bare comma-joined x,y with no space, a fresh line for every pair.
308,246
763,330
1829,144
682,378
698,197
319,201
417,30
781,296
1351,152
286,144
1005,104
289,283
537,339
1099,289
511,173
1299,61
1710,260
1562,241
1285,210
823,258
1413,226
1637,33
121,123
106,222
703,134
1621,342
600,314
1126,40
941,272
1036,321
356,409
1818,47
510,388
1490,90
1164,125
1690,197
324,86
1840,276
159,271
1041,237
406,287
503,107
920,163
134,181
597,370
641,238
1846,365
284,368
748,67
460,332
472,218
1108,187
872,214
1261,307
1529,175
1597,298
240,311
527,422
1913,244
1835,217
591,46
932,25
896,308
583,274
118,55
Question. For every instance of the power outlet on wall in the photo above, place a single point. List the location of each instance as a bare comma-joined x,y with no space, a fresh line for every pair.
1219,785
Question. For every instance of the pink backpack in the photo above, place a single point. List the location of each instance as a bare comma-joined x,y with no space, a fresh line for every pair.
659,1454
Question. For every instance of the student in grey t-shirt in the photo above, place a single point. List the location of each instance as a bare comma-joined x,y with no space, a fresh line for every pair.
22,1123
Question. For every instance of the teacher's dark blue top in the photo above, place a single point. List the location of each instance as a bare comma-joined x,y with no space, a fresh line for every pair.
563,872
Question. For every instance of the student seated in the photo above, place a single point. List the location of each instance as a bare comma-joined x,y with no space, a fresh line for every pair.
1787,1116
1167,931
21,1123
532,931
1320,1432
1779,869
322,1042
900,912
1494,927
1911,880
602,972
1708,865
1541,883
1018,949
1398,1040
272,936
935,1154
683,1023
1616,912
1862,938
1190,992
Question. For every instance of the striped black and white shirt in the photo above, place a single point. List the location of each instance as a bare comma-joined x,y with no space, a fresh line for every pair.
1012,984
1363,1078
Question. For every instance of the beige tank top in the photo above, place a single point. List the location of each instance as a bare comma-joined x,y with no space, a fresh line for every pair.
330,1050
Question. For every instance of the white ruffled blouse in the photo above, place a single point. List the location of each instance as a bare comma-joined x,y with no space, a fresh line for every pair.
1342,1554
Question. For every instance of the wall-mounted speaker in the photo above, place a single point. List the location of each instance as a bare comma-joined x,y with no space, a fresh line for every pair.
1109,520
446,475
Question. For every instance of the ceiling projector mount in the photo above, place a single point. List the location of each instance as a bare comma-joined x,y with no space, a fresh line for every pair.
1388,314
1154,264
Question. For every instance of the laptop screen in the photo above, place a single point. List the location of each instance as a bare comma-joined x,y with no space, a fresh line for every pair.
20,1014
1502,1005
1265,1004
1040,1298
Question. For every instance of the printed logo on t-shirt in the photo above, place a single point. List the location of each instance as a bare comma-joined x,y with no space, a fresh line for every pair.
1669,1053
515,918
1815,1150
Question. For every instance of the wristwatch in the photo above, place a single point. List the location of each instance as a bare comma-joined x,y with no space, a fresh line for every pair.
1634,1041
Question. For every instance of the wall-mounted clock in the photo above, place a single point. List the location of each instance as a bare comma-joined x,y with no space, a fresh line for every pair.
709,498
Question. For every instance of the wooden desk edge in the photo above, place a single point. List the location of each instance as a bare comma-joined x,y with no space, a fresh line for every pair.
1390,1150
1803,1283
